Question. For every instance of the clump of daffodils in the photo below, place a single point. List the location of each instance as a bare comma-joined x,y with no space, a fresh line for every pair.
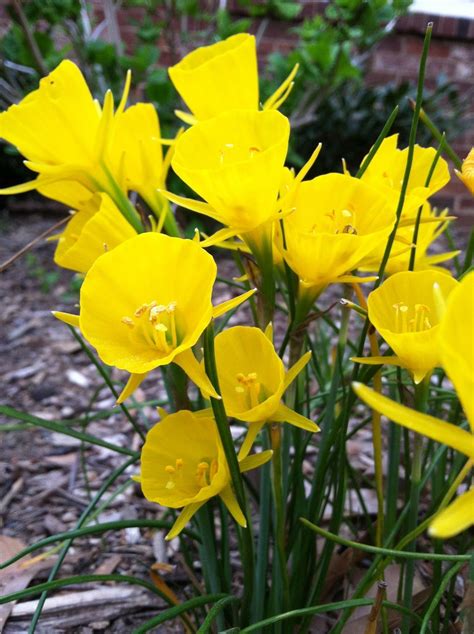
257,393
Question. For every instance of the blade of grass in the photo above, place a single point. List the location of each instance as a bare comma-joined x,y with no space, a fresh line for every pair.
57,427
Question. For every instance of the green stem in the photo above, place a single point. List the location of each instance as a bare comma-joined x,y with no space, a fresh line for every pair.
277,485
421,399
233,465
208,555
385,130
411,153
425,119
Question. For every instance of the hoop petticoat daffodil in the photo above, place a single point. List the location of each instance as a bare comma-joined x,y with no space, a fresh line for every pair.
146,303
235,163
466,175
406,310
336,222
456,345
387,167
183,464
63,133
97,227
253,379
221,77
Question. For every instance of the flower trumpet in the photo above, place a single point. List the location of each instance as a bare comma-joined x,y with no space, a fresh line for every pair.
253,379
407,310
183,465
146,303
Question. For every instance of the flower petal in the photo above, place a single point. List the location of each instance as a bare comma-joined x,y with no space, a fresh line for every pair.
433,428
255,460
220,309
183,518
388,360
457,517
286,415
229,499
296,369
131,385
188,362
67,318
249,439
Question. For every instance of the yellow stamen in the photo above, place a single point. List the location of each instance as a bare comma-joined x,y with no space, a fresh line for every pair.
128,321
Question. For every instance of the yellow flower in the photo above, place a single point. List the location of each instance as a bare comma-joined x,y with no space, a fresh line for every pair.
221,77
432,225
456,341
62,132
387,168
456,344
336,222
467,171
78,148
183,465
146,303
234,162
97,227
407,310
252,380
136,155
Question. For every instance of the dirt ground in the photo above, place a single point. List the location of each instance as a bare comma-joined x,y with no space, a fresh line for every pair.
47,479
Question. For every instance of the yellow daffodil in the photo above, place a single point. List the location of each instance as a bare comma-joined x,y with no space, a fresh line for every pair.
234,162
432,225
335,222
146,303
252,379
456,344
222,77
467,171
97,227
387,168
136,155
183,465
78,148
406,310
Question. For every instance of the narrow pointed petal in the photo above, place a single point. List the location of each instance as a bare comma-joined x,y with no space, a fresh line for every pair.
309,164
255,460
21,188
186,117
126,90
67,318
355,279
388,360
433,428
455,518
269,332
252,433
220,309
229,499
194,205
271,101
162,412
131,385
286,415
188,362
296,369
218,239
284,97
183,518
441,257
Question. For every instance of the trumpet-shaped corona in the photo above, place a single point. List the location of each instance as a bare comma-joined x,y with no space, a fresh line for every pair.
387,168
335,222
146,303
253,379
407,310
466,175
183,465
221,77
235,163
456,349
95,228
